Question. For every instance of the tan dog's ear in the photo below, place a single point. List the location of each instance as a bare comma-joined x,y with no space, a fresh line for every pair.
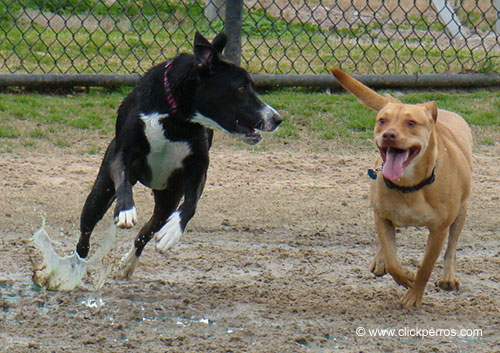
432,109
366,95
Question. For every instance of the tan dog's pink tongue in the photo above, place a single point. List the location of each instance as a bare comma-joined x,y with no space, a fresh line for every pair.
393,166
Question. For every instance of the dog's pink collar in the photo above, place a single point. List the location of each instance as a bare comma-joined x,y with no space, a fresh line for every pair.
170,97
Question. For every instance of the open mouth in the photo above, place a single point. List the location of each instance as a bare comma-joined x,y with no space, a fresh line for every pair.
250,136
395,161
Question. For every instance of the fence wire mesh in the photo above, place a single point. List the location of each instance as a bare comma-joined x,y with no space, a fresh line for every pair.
278,36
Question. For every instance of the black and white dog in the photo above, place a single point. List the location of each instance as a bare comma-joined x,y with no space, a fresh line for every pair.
163,135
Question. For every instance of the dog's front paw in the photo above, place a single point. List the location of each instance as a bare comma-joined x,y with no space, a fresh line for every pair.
377,266
404,277
127,265
170,233
126,218
448,284
413,297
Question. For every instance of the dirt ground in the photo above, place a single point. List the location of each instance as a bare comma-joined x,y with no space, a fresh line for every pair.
275,260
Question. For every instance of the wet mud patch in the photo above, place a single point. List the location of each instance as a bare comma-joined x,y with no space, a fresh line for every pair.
276,259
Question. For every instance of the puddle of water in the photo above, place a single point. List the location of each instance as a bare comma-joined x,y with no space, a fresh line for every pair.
12,292
204,321
8,288
328,342
93,302
9,293
179,322
233,329
185,321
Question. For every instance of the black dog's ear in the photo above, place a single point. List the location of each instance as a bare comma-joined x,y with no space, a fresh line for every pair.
219,42
204,52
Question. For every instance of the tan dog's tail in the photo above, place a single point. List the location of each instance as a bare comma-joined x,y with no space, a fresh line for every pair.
367,96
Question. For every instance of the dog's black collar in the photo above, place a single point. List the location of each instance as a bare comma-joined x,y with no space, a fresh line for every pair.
170,97
405,189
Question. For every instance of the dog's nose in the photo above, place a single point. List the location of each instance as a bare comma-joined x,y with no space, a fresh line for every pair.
390,135
277,119
270,118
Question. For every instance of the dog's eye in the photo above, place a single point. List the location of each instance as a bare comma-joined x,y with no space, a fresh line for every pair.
411,123
242,89
381,121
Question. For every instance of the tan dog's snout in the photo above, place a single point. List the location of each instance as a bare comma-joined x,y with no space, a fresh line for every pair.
390,136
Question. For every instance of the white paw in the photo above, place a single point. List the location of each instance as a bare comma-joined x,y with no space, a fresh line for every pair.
170,233
127,218
128,264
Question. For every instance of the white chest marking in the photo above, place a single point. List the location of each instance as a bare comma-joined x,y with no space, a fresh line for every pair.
165,156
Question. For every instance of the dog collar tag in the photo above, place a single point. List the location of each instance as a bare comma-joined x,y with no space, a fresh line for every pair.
372,174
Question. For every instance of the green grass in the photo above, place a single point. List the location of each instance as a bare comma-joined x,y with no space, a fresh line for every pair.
420,23
115,8
341,117
481,108
475,19
88,111
7,131
32,120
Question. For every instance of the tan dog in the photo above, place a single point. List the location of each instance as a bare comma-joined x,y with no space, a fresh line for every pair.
423,178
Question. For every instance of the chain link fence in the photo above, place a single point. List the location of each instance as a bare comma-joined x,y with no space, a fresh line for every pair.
277,36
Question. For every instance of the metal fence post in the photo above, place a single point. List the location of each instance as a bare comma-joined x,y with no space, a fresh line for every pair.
498,18
232,26
448,17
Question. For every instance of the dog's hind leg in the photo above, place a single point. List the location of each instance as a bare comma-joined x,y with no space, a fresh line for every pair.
96,205
449,281
166,201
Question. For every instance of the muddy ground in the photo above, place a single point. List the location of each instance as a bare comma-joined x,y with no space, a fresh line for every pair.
275,260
